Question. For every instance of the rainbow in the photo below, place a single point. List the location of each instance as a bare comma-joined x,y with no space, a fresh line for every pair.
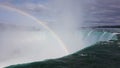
9,7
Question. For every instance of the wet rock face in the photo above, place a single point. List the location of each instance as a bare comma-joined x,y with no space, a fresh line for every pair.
104,54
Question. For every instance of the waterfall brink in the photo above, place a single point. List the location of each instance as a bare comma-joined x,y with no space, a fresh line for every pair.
111,36
89,34
93,36
104,33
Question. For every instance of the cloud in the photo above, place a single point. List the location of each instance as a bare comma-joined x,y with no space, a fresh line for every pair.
33,7
27,5
104,12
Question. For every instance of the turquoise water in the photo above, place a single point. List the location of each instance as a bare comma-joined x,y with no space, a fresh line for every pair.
90,37
99,55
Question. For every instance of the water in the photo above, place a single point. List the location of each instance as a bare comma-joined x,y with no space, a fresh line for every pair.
101,55
26,43
90,37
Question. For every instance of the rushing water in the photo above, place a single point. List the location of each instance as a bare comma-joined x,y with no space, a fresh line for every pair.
92,36
19,44
100,54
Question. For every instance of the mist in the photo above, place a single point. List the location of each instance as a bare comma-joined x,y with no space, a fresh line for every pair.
28,45
21,46
68,17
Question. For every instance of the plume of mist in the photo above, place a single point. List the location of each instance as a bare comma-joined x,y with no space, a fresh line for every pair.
68,16
24,46
27,46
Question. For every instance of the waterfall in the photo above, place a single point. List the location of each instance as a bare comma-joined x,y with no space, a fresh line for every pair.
111,36
93,36
89,34
103,34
